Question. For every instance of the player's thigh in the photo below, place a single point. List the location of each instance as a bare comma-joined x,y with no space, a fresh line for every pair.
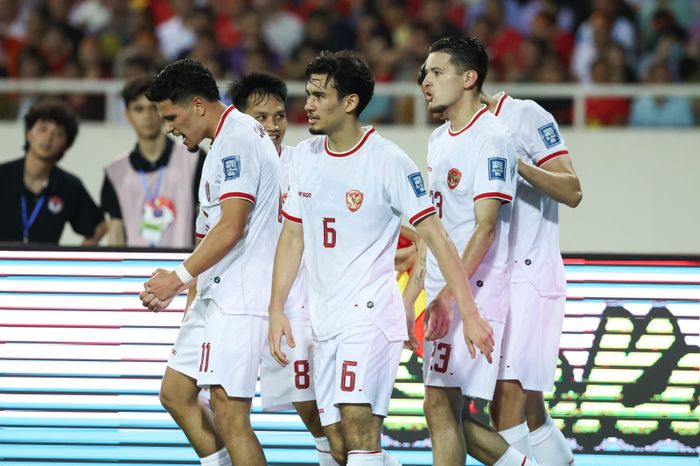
185,355
230,413
232,352
281,386
532,337
448,364
366,367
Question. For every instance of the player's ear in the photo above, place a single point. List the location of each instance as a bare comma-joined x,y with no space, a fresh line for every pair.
198,105
351,102
470,77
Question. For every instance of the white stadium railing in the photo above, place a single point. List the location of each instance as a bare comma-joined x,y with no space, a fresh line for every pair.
576,92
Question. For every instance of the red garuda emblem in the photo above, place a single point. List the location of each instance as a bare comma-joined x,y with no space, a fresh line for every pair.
353,199
453,178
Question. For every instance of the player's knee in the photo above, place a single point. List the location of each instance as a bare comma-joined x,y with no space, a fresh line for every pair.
171,398
435,405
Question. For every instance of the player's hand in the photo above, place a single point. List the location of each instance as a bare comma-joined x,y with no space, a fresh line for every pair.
438,317
279,327
412,342
405,258
478,332
163,284
150,301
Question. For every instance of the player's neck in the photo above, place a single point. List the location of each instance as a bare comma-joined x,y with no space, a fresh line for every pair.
151,149
36,172
490,101
215,111
347,137
462,112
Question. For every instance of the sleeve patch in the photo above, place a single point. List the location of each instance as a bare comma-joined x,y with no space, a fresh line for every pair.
497,168
549,135
232,167
417,184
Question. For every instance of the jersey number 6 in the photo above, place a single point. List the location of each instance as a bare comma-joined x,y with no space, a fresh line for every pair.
328,232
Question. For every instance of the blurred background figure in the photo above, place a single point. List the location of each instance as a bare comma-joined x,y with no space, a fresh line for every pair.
657,110
39,198
150,193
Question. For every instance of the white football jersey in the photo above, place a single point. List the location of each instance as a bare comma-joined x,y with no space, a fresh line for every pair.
350,205
534,230
241,164
478,162
297,306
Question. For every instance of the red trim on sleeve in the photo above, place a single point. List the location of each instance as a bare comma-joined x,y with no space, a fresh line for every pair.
552,156
357,147
478,114
290,217
236,195
500,104
222,119
505,198
199,235
422,214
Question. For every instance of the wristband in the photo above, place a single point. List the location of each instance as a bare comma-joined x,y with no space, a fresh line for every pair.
183,274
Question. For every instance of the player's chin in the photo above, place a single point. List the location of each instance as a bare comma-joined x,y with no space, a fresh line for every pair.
316,130
192,148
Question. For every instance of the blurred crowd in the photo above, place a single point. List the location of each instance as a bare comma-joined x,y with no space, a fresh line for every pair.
529,41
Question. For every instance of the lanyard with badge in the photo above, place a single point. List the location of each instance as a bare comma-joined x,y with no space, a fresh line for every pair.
27,222
154,218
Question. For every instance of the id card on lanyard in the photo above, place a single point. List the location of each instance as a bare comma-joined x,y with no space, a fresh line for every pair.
28,221
156,216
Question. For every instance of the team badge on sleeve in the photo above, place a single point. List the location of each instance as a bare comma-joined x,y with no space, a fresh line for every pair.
549,135
232,167
353,199
497,168
454,176
417,184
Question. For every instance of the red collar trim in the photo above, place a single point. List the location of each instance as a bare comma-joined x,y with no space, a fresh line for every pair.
222,119
481,111
500,103
357,147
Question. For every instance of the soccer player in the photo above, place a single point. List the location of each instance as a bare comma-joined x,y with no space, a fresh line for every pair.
143,190
537,282
471,168
263,97
348,188
222,337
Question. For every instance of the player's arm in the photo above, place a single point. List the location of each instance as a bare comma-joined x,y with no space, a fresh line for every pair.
416,277
192,288
486,218
220,239
290,249
477,330
116,235
556,178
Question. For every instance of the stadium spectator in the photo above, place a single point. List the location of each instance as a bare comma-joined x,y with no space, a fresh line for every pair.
39,198
657,110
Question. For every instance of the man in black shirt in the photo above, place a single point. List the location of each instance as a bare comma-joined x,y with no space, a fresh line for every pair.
39,197
150,193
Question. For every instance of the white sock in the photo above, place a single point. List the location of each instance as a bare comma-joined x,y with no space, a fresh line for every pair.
550,446
390,460
220,458
323,448
513,457
518,437
364,457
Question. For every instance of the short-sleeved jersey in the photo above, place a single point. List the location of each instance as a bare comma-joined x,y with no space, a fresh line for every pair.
534,231
297,305
241,164
477,162
350,205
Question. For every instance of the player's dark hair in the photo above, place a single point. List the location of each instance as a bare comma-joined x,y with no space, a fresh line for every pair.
348,72
260,86
422,73
56,112
466,53
135,88
181,80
